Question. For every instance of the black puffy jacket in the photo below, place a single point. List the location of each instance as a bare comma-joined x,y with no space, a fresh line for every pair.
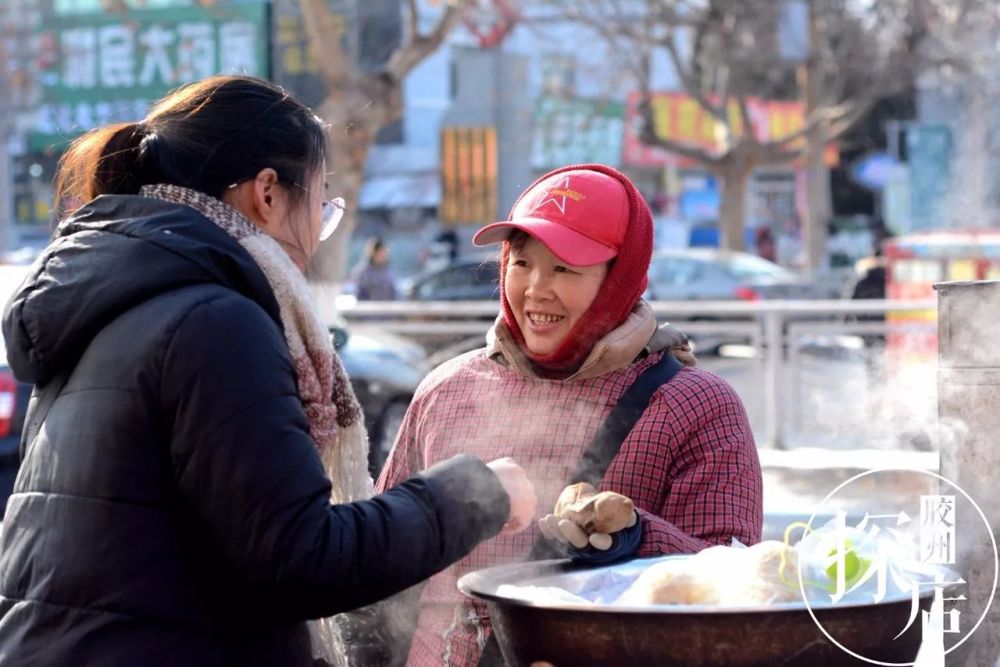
173,509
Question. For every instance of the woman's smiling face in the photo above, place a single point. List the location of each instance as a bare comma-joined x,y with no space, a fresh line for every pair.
547,295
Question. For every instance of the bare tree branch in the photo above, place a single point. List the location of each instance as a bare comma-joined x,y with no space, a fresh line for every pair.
684,150
358,104
850,48
411,54
324,35
692,87
633,53
852,115
839,117
838,120
413,14
748,130
675,13
622,17
770,155
648,136
614,29
632,60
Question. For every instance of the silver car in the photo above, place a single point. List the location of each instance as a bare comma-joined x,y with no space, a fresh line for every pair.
710,273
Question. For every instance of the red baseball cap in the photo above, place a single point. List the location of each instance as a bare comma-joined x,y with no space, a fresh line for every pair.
579,214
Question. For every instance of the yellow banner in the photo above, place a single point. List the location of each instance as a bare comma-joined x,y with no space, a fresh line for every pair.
468,175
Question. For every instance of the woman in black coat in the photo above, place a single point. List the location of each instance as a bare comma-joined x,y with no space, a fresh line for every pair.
193,495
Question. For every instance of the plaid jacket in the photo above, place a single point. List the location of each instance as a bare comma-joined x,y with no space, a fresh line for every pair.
690,465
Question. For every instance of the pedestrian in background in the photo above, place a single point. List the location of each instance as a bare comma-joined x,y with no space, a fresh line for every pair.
765,244
573,338
373,279
194,483
869,281
444,250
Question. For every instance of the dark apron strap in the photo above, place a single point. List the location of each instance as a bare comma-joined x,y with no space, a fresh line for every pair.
600,453
623,417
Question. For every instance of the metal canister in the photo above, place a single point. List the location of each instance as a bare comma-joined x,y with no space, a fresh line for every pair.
969,430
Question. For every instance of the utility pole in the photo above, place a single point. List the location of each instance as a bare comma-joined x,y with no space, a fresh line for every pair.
817,175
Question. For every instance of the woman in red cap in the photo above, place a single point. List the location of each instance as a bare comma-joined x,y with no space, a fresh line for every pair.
572,337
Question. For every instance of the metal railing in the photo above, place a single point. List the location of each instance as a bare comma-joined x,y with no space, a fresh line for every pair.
771,331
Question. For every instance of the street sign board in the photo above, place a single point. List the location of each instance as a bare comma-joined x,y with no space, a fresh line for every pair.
929,151
575,131
99,68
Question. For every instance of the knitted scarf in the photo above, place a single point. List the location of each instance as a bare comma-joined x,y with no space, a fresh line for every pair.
333,411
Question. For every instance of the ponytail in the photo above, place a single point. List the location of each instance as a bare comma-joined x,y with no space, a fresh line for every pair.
103,161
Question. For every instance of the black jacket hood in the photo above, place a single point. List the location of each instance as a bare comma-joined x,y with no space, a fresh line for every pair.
115,253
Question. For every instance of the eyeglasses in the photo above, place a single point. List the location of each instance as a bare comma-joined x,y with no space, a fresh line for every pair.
333,213
333,209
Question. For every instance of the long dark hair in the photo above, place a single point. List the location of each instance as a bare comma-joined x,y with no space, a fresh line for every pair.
204,136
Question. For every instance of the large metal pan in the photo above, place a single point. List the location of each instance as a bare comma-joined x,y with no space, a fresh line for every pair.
570,635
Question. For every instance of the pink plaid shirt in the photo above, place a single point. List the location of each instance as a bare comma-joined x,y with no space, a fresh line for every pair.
690,465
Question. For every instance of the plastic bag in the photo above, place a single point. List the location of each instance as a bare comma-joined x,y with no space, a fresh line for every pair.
843,564
877,563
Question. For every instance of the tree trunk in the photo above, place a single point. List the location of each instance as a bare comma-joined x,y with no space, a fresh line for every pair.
734,174
346,175
818,211
330,265
354,119
818,208
357,106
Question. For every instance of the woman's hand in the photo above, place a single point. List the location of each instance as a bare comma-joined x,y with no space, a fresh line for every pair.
599,527
523,501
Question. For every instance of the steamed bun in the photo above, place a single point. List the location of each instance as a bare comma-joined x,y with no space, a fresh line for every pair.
725,576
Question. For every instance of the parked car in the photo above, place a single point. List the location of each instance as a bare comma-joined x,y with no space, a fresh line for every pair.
691,273
710,273
472,278
385,370
705,274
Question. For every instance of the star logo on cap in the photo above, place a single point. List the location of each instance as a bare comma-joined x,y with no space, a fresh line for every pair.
558,195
